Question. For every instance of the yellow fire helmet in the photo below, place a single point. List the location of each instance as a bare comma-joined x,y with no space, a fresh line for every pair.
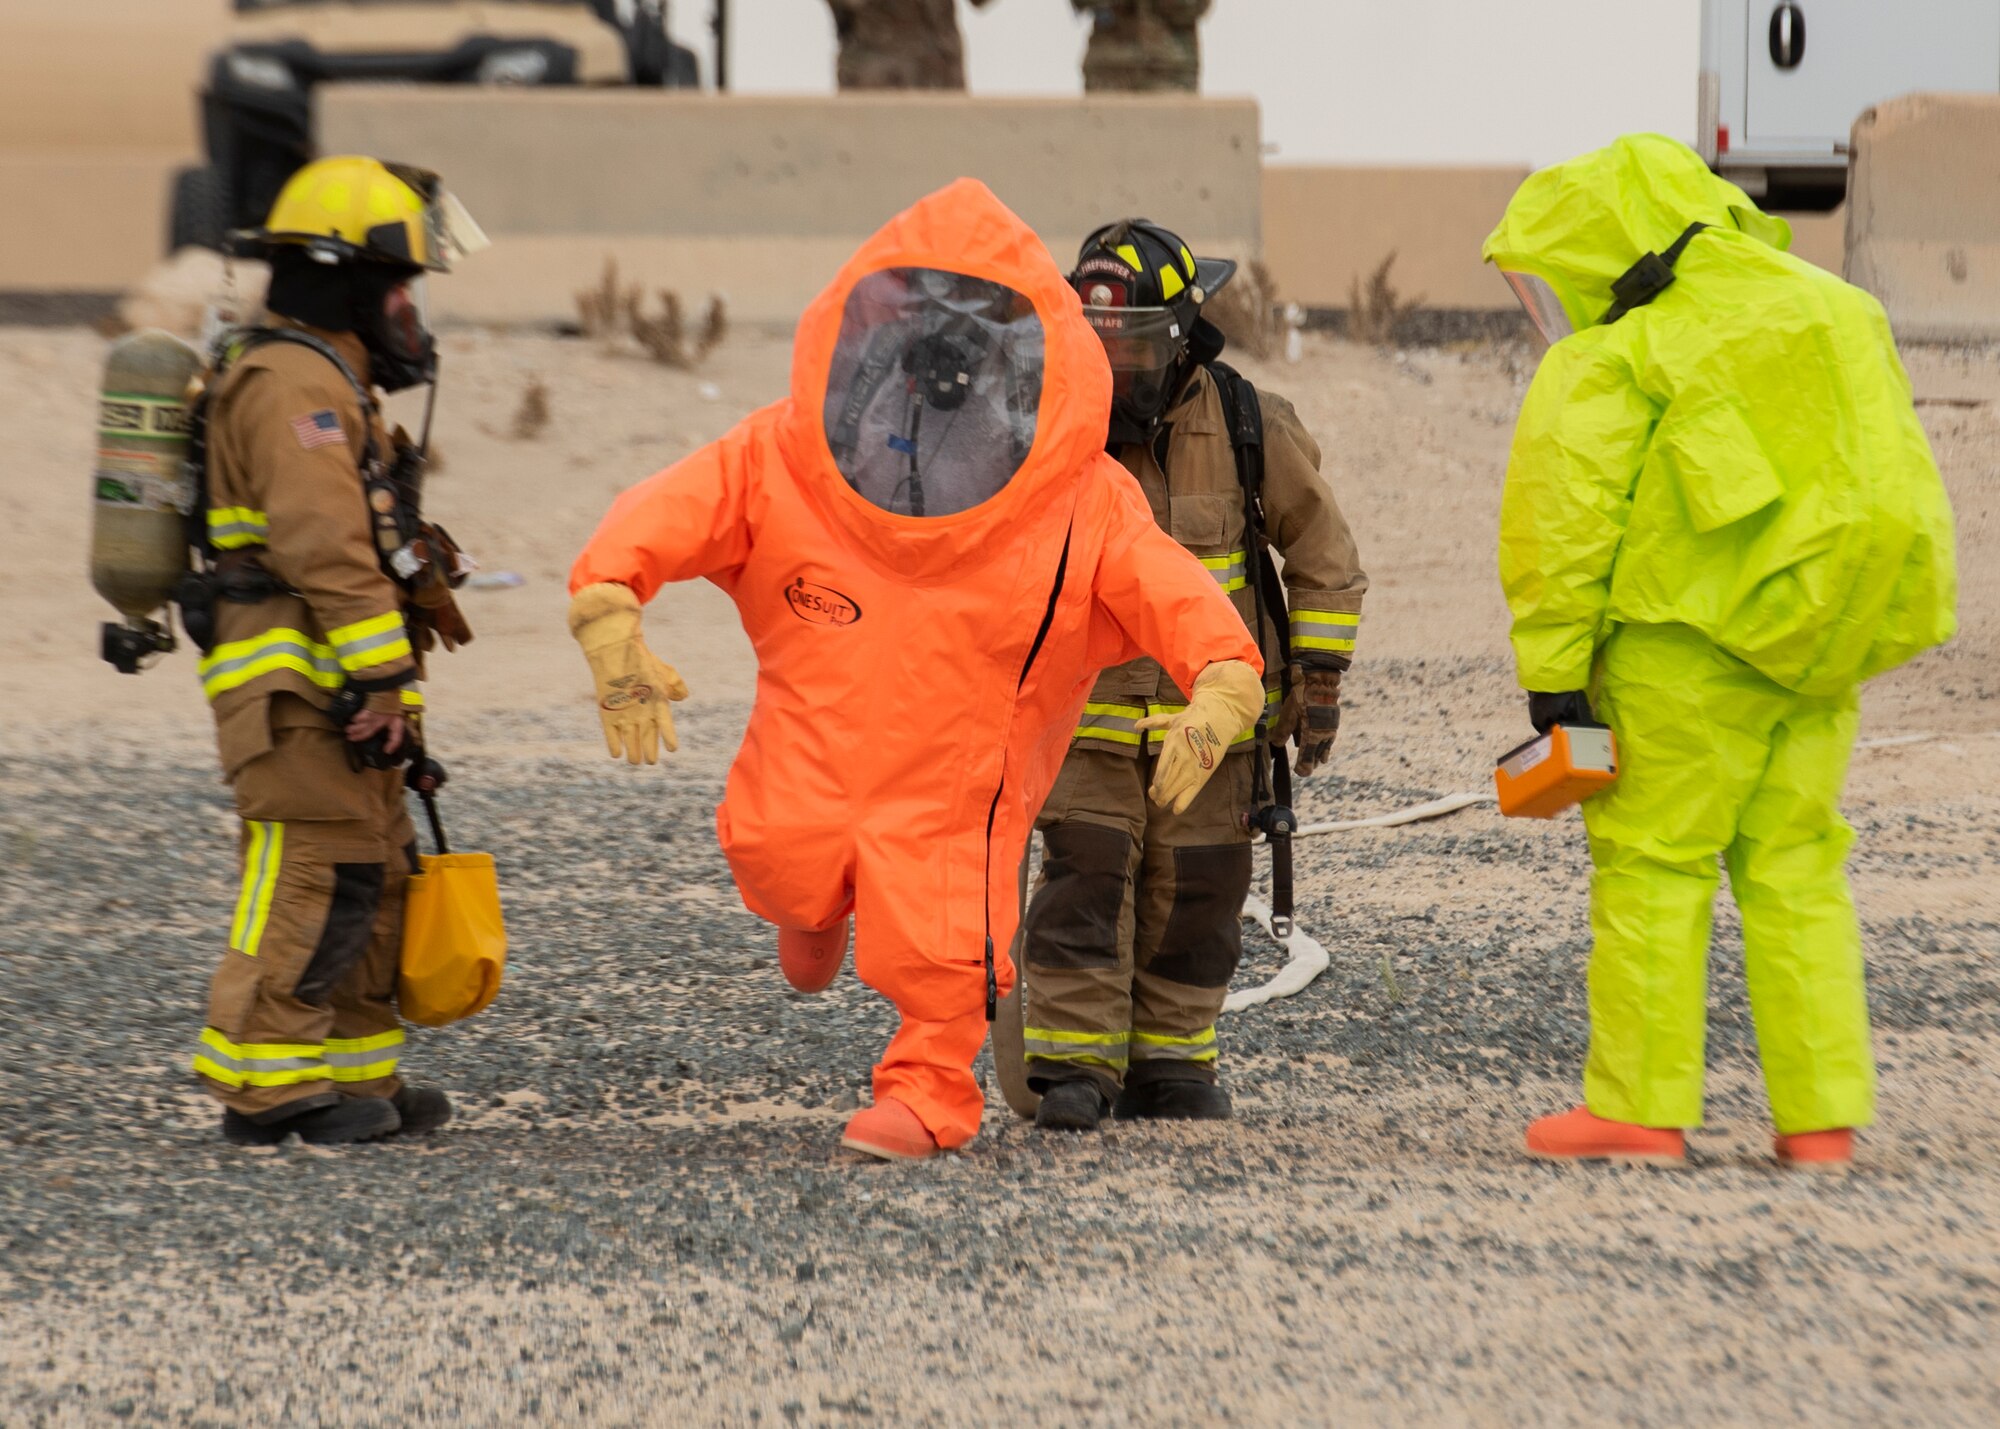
354,209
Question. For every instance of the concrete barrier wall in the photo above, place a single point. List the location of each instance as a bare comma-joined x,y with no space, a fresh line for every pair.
1923,213
1326,227
764,197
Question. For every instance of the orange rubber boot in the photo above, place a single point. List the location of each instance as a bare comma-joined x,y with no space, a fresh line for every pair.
890,1130
1576,1135
1817,1150
810,958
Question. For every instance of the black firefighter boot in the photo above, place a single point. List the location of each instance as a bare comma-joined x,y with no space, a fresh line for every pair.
423,1109
1173,1099
317,1121
1072,1106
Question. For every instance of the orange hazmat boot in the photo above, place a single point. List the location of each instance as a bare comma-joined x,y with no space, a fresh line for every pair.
890,1130
1576,1135
810,958
1817,1150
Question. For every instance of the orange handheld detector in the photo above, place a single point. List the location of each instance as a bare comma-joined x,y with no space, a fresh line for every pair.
1555,770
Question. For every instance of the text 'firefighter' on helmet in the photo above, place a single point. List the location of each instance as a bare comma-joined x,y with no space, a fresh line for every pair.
1142,290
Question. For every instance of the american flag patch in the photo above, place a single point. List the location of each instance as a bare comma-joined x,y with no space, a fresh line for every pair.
319,429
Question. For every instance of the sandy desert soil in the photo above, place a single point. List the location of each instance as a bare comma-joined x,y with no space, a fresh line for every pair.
639,1217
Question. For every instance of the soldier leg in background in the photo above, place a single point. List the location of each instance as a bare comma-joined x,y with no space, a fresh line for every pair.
898,44
299,1010
1144,45
1194,875
1077,952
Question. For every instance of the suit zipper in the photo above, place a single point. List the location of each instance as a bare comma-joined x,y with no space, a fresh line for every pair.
993,808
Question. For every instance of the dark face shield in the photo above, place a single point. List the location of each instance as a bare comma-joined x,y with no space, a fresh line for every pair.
932,395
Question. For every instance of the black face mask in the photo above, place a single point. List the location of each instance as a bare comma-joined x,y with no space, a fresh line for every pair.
1139,405
401,351
366,299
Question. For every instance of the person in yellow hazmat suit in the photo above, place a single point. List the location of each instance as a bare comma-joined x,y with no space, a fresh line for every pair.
1721,517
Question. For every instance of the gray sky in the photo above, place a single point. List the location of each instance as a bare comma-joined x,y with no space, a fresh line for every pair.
1339,81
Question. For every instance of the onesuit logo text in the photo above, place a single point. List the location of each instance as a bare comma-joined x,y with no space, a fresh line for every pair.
822,605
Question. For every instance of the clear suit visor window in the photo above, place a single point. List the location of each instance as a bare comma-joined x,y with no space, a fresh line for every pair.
1543,307
932,396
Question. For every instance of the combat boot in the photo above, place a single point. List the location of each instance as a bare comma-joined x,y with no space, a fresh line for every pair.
1174,1100
1072,1106
423,1110
336,1124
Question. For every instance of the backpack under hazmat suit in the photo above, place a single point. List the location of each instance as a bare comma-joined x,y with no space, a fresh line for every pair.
933,558
1721,507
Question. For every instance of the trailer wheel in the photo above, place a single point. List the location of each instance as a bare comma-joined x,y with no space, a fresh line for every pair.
199,217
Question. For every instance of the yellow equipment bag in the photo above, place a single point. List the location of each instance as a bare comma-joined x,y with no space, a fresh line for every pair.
454,939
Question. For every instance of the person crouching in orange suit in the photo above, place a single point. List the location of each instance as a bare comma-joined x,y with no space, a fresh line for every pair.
933,558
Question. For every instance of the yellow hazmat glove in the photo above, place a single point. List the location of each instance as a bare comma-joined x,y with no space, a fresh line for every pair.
1223,706
633,684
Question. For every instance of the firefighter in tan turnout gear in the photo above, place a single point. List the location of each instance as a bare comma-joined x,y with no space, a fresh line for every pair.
321,591
1135,931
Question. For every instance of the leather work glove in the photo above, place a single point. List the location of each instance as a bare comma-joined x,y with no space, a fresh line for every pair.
633,684
1223,706
1319,718
1568,707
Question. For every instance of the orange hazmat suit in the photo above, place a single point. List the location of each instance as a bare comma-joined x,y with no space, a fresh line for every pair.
933,558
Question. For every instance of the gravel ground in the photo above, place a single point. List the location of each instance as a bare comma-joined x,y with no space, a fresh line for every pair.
640,1216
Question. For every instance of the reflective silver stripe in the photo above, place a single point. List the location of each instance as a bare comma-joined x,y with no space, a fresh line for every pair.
1109,1049
350,650
317,656
367,1058
231,535
1117,723
1158,1047
259,1064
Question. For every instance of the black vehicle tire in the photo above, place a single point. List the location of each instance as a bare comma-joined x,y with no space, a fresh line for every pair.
199,217
683,69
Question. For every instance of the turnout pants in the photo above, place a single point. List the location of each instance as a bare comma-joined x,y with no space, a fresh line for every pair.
1719,762
1136,926
301,1010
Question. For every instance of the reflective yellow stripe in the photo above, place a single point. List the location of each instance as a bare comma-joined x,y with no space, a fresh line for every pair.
364,1059
258,1064
1325,630
241,661
261,858
374,641
1116,724
413,698
233,527
1230,571
1156,1046
1056,1044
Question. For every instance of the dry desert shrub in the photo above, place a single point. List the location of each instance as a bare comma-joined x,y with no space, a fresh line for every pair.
1375,312
613,310
532,416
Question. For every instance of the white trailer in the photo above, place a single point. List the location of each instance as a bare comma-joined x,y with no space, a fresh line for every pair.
1782,81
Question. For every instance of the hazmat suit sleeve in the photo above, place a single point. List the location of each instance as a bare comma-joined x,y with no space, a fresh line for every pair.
1162,601
1578,449
319,542
684,523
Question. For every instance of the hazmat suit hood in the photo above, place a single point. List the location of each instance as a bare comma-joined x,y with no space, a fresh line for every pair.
944,386
1579,225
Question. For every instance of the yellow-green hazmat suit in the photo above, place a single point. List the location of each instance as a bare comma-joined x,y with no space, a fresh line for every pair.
1721,516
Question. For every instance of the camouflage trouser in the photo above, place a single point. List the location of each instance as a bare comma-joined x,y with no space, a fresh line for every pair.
1144,45
1136,926
898,44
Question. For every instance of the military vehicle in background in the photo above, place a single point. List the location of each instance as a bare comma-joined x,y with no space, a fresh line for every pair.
257,106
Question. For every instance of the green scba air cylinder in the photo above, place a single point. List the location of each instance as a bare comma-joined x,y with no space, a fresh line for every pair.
141,488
